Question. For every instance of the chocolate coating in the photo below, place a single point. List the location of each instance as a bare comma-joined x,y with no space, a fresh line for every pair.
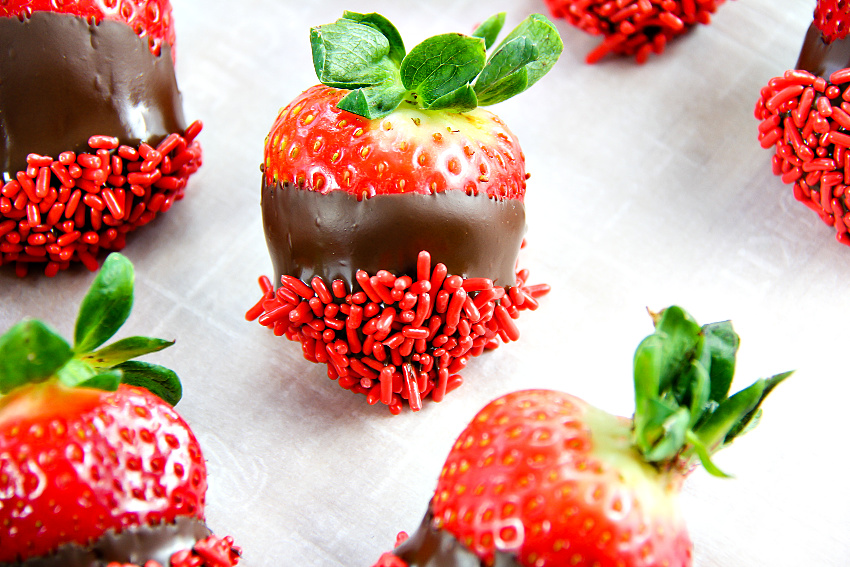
134,545
63,80
430,547
334,235
821,58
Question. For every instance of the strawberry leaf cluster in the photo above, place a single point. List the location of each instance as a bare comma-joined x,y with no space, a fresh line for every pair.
682,375
33,352
365,54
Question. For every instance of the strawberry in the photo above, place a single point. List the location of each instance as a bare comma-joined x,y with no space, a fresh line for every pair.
94,460
541,478
83,165
804,117
385,166
633,27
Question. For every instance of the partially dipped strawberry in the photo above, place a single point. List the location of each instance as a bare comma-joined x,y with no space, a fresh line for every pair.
805,118
393,205
540,478
93,140
635,28
95,463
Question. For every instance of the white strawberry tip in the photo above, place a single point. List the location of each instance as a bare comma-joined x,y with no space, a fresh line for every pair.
396,340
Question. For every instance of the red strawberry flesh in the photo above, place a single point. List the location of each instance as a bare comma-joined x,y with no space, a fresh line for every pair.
832,18
126,458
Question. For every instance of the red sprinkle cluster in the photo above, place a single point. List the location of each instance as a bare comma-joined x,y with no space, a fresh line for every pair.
389,559
396,339
210,552
633,27
807,120
831,18
63,210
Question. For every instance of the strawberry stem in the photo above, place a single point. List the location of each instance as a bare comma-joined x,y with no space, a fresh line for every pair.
683,411
32,352
365,54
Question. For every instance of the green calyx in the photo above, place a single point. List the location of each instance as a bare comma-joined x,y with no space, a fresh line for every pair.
683,410
32,352
365,54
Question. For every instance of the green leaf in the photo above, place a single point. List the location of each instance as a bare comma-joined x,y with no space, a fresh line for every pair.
76,372
106,305
490,28
396,45
442,64
647,369
729,414
159,380
722,342
107,381
374,102
349,55
124,350
751,418
30,352
459,100
666,429
506,73
544,35
682,343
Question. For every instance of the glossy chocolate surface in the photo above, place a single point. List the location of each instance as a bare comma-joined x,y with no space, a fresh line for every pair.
63,80
334,235
430,547
134,545
821,58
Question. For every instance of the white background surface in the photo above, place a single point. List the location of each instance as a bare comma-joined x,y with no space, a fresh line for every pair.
648,188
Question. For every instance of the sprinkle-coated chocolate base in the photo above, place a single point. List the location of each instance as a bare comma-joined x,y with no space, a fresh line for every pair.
396,339
633,27
805,117
135,545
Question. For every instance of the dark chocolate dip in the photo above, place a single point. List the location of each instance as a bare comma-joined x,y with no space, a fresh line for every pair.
822,58
64,79
431,547
333,235
135,545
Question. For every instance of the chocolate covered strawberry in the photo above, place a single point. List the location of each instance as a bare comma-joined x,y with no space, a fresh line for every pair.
542,479
96,466
93,141
393,205
633,27
805,118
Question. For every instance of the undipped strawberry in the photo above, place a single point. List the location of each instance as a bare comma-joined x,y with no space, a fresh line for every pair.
542,479
393,205
805,118
633,27
93,141
95,463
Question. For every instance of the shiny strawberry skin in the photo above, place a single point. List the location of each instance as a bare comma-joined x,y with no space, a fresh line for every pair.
75,463
831,18
322,148
149,18
550,479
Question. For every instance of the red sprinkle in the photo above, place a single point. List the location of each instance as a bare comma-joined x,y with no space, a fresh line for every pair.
85,202
633,27
413,345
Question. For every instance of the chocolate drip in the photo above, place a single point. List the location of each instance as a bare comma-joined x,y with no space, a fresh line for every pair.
135,545
822,58
334,235
63,80
430,547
